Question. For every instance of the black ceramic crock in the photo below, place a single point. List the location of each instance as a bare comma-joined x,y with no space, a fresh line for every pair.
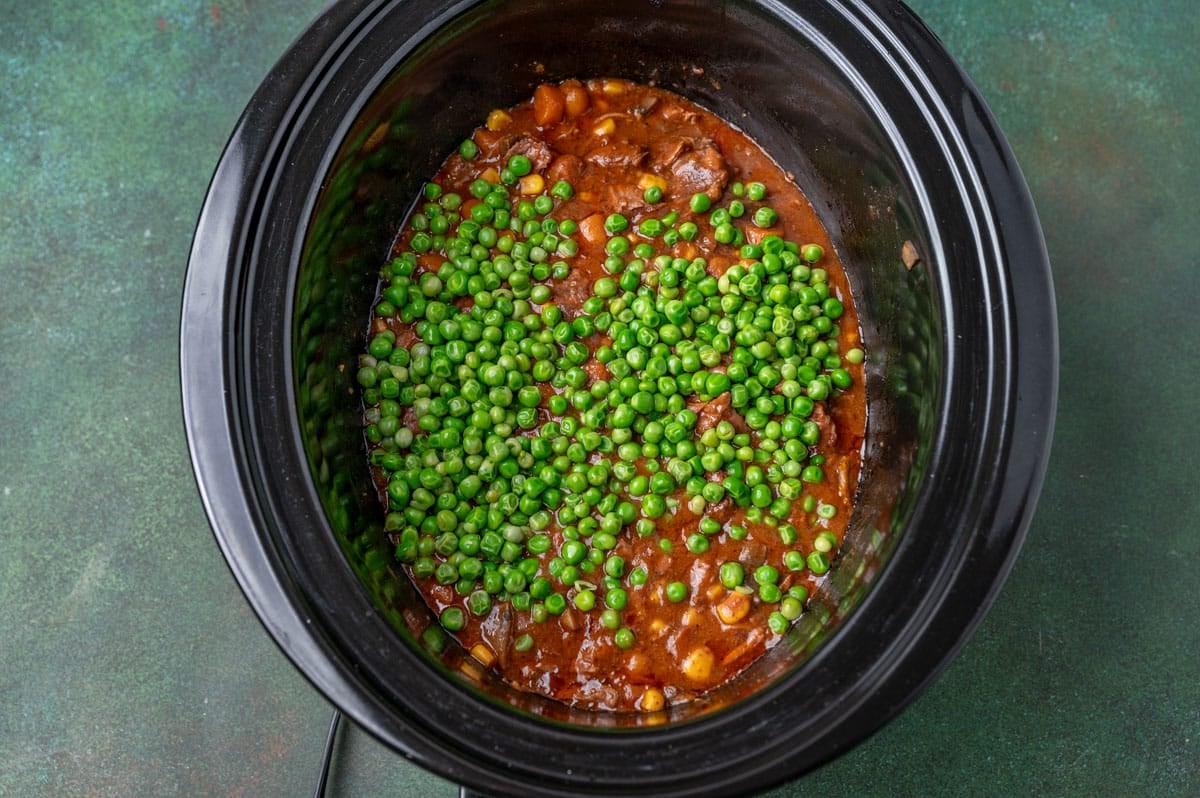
923,200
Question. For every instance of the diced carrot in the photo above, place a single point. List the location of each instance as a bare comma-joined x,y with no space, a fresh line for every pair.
548,105
490,142
575,99
592,229
755,235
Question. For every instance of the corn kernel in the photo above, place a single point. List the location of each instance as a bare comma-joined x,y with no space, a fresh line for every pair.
484,654
733,607
605,128
532,184
652,700
647,180
498,120
491,174
614,87
697,665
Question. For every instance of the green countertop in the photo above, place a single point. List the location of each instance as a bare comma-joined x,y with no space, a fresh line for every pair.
130,663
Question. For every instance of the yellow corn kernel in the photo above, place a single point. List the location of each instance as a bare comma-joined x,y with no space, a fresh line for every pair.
652,700
484,654
498,120
647,180
713,591
733,607
605,128
690,616
491,175
614,87
532,184
697,665
657,625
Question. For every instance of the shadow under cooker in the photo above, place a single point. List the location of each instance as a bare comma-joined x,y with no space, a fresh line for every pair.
888,141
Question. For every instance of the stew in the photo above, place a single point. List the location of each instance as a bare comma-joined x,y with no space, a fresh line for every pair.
613,392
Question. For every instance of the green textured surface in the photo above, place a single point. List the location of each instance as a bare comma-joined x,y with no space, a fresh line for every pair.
129,662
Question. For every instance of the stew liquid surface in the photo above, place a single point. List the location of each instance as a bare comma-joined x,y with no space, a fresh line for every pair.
614,397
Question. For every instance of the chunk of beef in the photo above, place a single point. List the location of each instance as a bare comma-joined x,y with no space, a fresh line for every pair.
679,115
617,155
715,410
565,167
702,170
624,197
825,422
711,412
665,151
537,151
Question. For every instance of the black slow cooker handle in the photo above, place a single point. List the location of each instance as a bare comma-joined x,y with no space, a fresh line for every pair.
467,792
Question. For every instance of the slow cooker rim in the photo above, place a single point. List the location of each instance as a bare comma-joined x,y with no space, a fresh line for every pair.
258,578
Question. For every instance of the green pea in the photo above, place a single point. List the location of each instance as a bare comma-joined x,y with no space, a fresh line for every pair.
732,574
453,619
585,600
654,506
563,191
556,604
825,542
818,562
479,602
790,607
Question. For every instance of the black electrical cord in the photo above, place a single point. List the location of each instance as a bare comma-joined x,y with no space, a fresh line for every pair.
327,755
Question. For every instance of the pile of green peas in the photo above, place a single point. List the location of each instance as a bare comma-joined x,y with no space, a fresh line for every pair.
510,435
